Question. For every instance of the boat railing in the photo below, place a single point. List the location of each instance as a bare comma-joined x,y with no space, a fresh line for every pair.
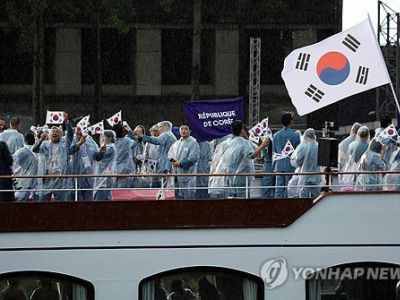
251,184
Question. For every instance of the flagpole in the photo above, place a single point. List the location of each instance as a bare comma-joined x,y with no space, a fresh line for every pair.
395,97
387,73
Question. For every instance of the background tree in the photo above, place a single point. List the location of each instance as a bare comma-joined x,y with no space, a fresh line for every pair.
28,20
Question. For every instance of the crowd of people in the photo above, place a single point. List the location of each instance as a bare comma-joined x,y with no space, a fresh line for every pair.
64,150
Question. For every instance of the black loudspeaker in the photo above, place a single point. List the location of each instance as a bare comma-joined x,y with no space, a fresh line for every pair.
328,152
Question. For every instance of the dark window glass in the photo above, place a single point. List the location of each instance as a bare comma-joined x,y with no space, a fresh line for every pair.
40,286
202,283
116,56
366,280
207,59
15,66
176,59
88,55
49,55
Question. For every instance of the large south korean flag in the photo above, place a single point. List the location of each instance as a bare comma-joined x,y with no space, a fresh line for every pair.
342,65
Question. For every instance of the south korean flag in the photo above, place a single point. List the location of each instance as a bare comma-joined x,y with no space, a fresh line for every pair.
115,119
84,122
287,150
342,65
152,166
97,128
54,117
388,133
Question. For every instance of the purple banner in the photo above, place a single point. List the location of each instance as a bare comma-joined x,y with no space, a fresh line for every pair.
212,119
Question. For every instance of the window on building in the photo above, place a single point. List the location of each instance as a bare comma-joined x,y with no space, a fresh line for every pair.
117,52
49,55
176,58
202,283
16,66
44,285
365,280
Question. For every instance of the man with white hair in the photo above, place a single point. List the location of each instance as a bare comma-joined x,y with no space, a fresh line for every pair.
53,158
165,141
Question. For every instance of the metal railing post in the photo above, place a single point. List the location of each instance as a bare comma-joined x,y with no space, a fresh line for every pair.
247,187
76,189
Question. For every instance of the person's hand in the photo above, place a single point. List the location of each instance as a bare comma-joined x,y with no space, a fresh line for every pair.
82,140
126,126
264,142
103,148
43,137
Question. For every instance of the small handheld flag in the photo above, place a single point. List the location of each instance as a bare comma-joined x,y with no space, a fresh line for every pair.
286,152
54,117
96,128
160,195
259,130
115,119
84,122
288,149
388,132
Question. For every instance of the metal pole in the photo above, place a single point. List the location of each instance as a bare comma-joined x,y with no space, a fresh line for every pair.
76,189
387,29
247,187
379,22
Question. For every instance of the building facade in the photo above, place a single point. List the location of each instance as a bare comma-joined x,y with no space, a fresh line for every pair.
147,72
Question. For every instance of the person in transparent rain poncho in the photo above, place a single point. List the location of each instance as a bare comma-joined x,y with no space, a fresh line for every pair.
152,155
53,160
12,136
305,159
238,158
26,164
391,182
371,160
83,151
356,150
184,155
343,155
105,161
165,141
124,149
216,184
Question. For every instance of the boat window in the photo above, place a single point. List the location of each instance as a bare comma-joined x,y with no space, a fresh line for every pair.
364,280
44,286
202,283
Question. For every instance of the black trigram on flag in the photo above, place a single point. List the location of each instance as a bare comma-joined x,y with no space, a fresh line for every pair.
362,75
314,93
302,61
351,42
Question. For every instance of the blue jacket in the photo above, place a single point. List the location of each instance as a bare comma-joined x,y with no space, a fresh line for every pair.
280,139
